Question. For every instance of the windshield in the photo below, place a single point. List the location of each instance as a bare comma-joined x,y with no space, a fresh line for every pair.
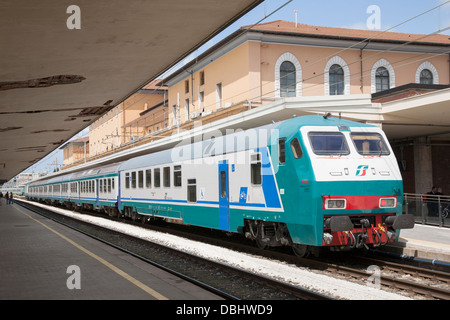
369,144
328,143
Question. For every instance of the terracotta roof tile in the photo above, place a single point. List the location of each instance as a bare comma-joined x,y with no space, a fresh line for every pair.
289,27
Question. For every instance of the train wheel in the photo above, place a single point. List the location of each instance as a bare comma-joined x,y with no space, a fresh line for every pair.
112,212
300,250
260,244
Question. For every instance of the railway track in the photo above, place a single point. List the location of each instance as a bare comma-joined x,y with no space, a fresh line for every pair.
225,281
412,281
409,280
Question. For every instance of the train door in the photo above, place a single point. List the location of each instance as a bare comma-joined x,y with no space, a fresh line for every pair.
224,204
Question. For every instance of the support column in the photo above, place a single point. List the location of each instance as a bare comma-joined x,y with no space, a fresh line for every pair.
423,166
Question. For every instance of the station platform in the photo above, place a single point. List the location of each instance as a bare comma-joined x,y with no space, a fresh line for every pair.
41,259
423,241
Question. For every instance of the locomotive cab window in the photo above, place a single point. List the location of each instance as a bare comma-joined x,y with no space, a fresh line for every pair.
282,150
296,148
328,143
369,144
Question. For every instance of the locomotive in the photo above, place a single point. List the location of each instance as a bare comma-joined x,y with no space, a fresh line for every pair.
306,182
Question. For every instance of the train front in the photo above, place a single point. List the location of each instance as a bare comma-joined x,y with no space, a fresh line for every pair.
358,185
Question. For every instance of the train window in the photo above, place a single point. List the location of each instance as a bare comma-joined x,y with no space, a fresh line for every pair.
223,184
328,143
133,179
109,185
112,183
296,148
177,176
192,190
255,168
157,178
141,179
256,173
369,144
282,150
148,178
127,180
166,177
101,186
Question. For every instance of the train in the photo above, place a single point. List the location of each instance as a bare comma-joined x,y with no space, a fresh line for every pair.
307,182
18,191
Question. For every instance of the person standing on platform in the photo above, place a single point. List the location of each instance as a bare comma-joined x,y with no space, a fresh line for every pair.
432,203
11,200
7,198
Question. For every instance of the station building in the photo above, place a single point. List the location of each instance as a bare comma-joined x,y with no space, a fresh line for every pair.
403,77
397,81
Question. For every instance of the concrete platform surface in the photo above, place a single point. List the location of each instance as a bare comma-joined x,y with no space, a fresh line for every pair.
424,241
40,259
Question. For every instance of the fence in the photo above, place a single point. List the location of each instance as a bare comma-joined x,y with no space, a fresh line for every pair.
428,209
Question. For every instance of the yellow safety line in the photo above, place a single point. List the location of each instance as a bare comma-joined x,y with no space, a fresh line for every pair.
134,281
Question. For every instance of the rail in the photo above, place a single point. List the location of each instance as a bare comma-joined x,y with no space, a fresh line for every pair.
428,208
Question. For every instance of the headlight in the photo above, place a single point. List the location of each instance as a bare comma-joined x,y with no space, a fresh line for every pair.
388,202
335,203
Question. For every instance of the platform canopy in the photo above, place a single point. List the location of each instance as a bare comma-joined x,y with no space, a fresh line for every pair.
62,66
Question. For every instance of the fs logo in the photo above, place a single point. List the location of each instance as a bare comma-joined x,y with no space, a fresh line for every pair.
361,170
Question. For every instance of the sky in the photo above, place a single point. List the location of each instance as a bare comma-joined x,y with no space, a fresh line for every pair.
358,14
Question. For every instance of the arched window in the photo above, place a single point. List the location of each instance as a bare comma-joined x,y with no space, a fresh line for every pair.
336,80
426,73
382,79
426,77
288,76
382,76
287,79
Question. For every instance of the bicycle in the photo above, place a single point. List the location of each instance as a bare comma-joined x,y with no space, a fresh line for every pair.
445,212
